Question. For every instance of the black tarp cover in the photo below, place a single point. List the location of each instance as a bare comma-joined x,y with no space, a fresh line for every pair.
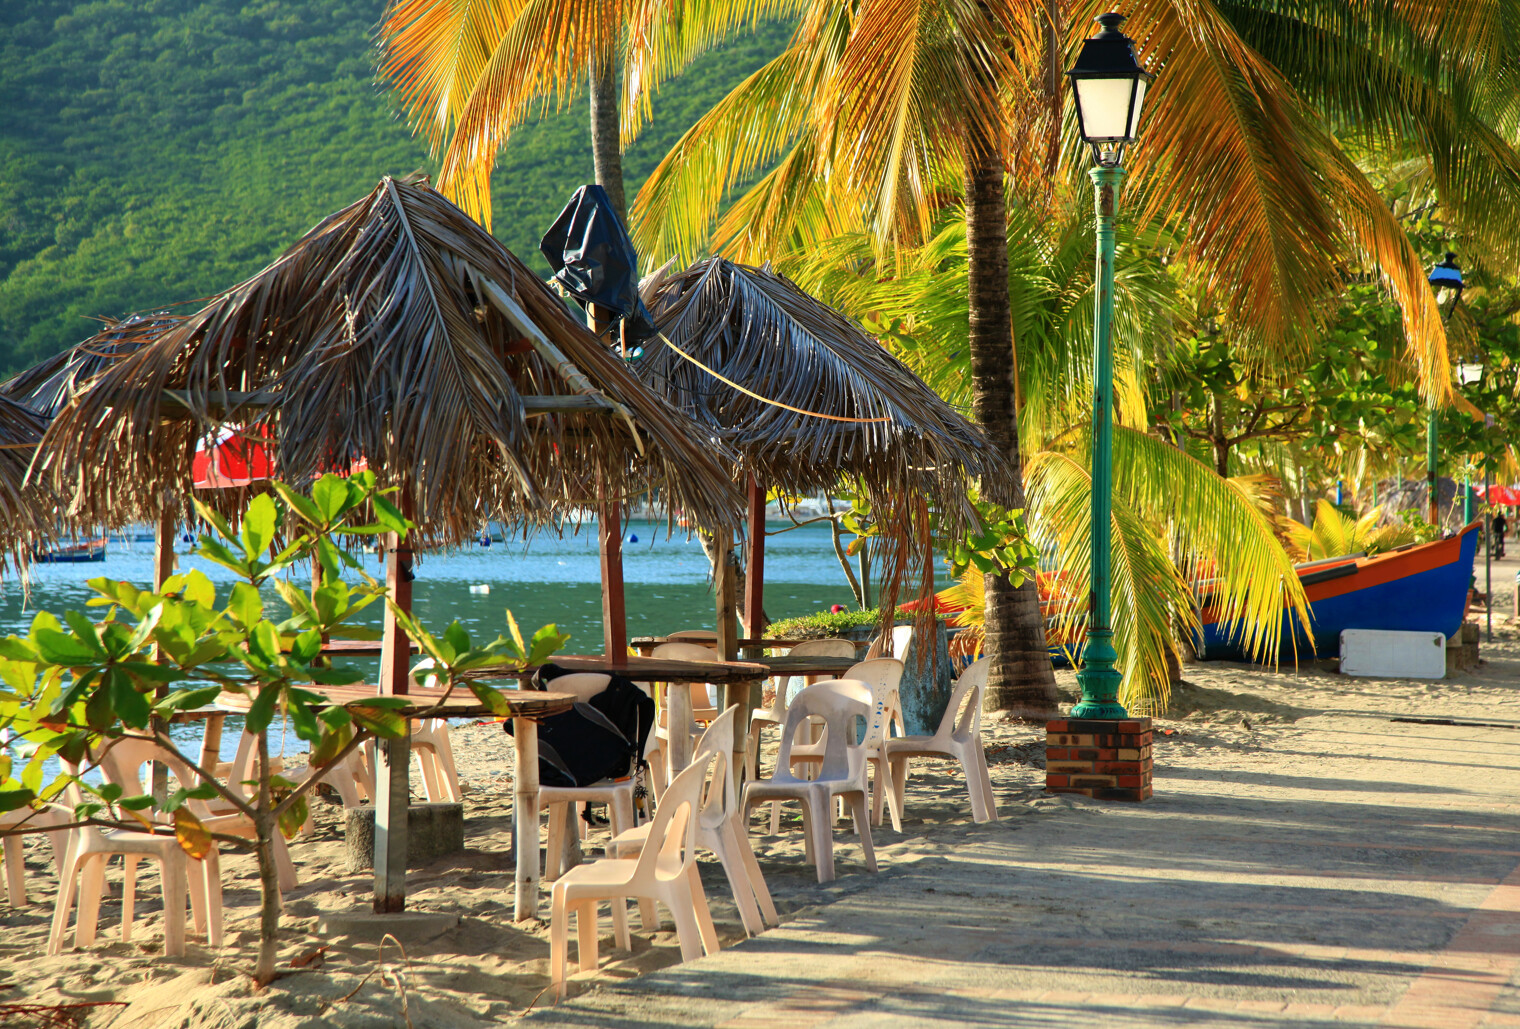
594,260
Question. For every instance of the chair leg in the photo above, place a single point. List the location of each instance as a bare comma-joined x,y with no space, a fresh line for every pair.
211,875
725,846
820,834
775,818
900,780
756,877
809,847
862,819
128,894
68,890
586,916
559,939
884,788
984,779
620,933
92,884
684,914
174,886
705,927
195,885
649,915
15,871
554,850
283,865
450,774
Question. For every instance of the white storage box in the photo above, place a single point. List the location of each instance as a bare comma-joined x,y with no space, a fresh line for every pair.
1382,654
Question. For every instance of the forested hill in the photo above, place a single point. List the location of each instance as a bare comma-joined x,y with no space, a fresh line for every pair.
153,151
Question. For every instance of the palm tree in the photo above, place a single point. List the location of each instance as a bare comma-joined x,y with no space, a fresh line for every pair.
466,73
867,117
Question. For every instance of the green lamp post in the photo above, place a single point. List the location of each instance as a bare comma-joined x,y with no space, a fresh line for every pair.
1110,88
1446,280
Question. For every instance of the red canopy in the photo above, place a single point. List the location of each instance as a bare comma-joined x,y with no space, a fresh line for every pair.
1507,495
230,459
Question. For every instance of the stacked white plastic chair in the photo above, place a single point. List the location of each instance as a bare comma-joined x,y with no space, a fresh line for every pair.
959,736
841,772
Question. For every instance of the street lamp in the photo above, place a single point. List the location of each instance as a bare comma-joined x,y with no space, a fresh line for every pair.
1110,88
1446,280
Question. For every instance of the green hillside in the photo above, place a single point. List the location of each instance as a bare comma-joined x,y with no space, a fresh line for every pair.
153,151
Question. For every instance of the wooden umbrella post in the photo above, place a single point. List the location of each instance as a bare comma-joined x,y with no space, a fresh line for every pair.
163,567
394,757
609,524
754,572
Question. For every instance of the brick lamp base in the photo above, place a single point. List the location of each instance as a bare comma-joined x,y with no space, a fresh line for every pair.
1099,757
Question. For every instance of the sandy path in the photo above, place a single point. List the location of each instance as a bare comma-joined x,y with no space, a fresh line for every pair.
1305,861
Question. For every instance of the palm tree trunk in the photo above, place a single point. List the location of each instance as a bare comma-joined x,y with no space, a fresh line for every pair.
1021,679
606,149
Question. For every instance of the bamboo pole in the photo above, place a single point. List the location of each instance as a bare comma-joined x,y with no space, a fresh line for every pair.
394,758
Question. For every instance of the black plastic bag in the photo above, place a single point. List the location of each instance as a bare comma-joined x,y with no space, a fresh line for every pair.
594,260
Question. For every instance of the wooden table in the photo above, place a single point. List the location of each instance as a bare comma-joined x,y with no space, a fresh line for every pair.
527,706
645,644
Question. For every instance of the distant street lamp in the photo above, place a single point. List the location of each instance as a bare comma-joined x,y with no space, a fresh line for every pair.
1468,374
1446,280
1110,89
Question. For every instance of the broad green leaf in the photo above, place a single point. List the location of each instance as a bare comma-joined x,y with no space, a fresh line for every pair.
212,550
215,520
293,818
522,651
245,604
384,723
259,523
264,643
492,699
60,648
199,589
14,800
262,711
335,676
332,741
86,631
303,719
110,792
330,494
302,506
186,700
306,647
140,802
131,706
388,515
457,637
546,641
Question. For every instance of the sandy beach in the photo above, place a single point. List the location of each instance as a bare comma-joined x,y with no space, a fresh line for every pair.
1241,747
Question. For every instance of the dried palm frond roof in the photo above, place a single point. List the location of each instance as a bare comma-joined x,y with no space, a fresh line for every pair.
28,510
49,385
835,401
400,332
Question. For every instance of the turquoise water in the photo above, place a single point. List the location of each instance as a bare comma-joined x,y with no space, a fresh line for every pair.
545,579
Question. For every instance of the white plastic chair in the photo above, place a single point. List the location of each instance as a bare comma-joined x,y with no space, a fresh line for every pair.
89,848
242,771
692,635
14,852
434,756
617,794
959,736
775,714
842,771
720,830
882,674
702,709
665,870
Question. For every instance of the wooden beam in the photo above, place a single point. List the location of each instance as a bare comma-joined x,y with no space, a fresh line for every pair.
754,572
725,587
394,758
230,400
609,526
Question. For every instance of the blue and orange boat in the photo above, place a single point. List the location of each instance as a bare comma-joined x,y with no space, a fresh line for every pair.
1420,587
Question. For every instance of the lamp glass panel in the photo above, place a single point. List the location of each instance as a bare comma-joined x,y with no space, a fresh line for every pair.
1467,374
1105,107
1134,118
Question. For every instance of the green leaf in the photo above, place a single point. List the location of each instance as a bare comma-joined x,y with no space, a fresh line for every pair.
141,802
457,637
388,515
293,818
331,496
546,641
131,706
199,589
335,676
332,741
60,648
262,711
245,604
304,720
302,506
186,700
264,644
212,550
522,651
212,517
492,699
14,800
306,647
259,522
384,723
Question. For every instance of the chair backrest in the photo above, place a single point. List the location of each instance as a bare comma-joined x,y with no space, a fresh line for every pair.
823,648
684,652
887,671
883,675
718,739
693,634
964,712
837,703
128,763
902,639
671,844
582,685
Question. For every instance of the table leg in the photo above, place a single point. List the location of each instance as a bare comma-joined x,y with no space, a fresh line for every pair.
742,694
211,743
525,818
678,723
393,797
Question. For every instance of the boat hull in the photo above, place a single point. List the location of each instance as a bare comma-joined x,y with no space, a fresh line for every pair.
1418,588
75,553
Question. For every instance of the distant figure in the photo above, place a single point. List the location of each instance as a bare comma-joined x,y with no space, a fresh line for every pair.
1500,526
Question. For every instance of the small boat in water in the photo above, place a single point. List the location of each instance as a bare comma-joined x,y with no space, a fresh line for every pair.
77,552
1420,587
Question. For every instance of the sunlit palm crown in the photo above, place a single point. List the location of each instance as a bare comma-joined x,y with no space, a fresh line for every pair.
469,71
392,332
864,118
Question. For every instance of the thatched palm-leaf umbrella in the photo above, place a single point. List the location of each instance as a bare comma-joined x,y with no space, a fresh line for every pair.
49,385
27,508
400,332
807,397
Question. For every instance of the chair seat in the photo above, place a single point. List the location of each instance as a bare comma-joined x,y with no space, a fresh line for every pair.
920,746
